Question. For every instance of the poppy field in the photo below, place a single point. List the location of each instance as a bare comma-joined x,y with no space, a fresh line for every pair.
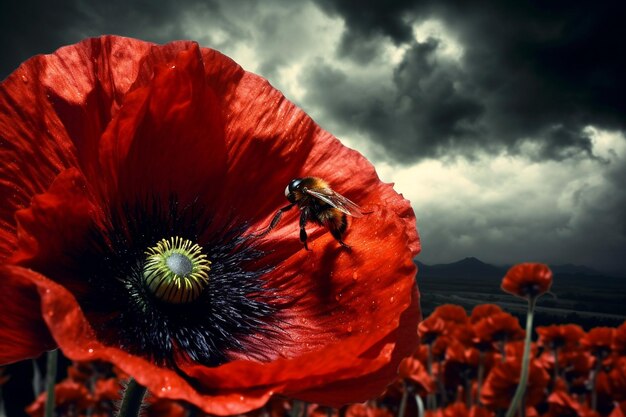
465,365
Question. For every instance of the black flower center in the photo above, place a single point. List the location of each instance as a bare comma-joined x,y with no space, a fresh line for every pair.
176,270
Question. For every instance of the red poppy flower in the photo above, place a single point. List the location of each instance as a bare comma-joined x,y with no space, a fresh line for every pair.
561,404
459,409
482,311
619,340
67,395
412,369
135,178
502,382
527,280
560,336
451,313
617,380
500,327
431,328
365,410
598,341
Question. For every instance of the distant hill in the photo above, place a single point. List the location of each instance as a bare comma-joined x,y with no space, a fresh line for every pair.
475,268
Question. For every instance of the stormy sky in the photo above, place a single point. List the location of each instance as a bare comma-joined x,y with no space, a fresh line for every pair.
503,123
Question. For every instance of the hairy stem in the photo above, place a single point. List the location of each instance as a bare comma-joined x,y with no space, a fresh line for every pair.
133,398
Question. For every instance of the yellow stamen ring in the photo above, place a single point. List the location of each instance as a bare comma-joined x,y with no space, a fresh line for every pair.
176,271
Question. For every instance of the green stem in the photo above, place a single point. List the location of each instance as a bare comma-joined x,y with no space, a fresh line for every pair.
594,382
133,397
51,379
523,379
403,401
481,375
420,405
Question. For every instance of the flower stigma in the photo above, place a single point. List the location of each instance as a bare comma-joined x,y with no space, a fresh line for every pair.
176,271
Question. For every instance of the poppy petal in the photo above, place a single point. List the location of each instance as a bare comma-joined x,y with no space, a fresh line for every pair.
23,333
56,221
153,147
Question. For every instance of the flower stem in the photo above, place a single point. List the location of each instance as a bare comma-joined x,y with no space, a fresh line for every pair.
420,405
481,375
133,397
51,379
403,400
523,379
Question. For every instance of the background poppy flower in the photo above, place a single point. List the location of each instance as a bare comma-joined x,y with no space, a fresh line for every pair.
527,280
134,178
560,336
502,382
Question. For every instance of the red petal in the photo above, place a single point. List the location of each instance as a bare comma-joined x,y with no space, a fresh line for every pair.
23,333
55,223
168,136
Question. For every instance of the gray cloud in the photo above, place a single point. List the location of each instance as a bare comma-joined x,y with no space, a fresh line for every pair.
529,72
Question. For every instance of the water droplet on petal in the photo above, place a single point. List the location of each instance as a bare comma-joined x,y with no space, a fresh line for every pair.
349,329
355,275
24,79
90,351
392,299
241,398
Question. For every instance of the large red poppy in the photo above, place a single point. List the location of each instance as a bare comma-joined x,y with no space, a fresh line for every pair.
114,150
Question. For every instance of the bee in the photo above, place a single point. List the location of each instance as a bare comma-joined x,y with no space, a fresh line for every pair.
319,204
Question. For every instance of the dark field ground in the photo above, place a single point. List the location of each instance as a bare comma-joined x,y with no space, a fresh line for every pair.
588,300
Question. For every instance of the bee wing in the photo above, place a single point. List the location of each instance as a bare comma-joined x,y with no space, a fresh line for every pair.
336,200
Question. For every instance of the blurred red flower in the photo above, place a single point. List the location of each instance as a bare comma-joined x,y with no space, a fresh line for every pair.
599,341
451,313
431,328
559,336
366,410
412,370
561,404
70,398
134,177
527,280
503,379
482,311
500,327
619,340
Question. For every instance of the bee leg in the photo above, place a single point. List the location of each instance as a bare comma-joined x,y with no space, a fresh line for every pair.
337,229
304,217
274,221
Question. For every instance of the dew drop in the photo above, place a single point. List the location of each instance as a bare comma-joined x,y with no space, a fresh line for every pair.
24,79
163,389
392,299
173,67
47,290
241,398
355,275
90,351
338,296
349,329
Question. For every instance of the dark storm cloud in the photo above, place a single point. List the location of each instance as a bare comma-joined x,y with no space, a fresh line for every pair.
42,26
530,71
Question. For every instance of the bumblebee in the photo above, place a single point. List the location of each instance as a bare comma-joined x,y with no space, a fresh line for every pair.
319,204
